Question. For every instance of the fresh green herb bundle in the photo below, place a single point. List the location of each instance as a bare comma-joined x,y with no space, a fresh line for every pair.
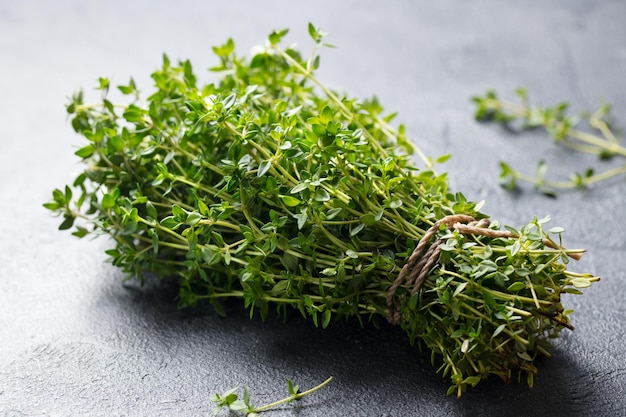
270,188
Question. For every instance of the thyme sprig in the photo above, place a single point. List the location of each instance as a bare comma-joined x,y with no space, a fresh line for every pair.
584,132
231,400
269,187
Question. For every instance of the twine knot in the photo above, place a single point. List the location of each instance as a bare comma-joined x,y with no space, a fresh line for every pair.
415,270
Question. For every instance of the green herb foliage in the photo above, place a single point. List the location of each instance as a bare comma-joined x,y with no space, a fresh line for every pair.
269,187
583,132
231,401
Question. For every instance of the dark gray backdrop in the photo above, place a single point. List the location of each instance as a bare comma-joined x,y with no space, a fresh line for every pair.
75,341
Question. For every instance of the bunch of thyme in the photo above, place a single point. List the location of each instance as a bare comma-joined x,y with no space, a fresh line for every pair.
268,187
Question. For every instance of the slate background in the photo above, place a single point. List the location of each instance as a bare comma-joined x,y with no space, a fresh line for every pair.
75,341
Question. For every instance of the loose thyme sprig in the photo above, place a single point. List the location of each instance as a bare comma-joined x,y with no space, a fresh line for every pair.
565,129
230,400
271,188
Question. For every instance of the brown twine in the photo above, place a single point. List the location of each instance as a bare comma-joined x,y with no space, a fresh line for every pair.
415,270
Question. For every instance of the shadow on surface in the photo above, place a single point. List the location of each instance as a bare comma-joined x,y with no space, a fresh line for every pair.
369,365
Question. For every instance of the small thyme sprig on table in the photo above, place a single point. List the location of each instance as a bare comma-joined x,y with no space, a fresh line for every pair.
230,400
269,187
565,129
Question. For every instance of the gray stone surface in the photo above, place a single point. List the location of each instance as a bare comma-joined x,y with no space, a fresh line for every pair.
75,341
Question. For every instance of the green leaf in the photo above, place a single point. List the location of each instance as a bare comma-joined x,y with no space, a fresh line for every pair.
115,144
316,62
276,36
326,315
465,346
85,151
318,129
211,255
459,289
300,187
246,397
326,115
580,282
321,195
485,267
68,193
62,198
193,218
312,31
237,405
224,51
134,114
556,230
302,218
292,389
490,301
368,219
179,213
472,380
128,89
155,244
169,222
508,177
395,203
67,223
203,208
103,83
498,330
80,232
229,101
513,249
53,206
289,261
108,201
516,287
264,166
332,213
355,230
151,211
258,60
289,200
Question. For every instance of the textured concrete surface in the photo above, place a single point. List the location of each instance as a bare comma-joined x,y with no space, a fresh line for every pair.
76,341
